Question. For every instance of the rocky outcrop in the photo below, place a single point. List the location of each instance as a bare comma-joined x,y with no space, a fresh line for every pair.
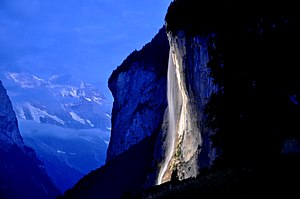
138,86
22,175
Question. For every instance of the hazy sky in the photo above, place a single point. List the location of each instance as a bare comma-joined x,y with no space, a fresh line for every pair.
86,38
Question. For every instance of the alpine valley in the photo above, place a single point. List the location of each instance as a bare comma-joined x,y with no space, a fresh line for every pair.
209,108
66,121
22,174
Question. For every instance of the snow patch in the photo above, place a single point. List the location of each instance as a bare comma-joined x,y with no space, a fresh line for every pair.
77,118
17,78
26,80
90,123
74,92
37,113
98,100
21,113
60,152
37,78
64,92
53,77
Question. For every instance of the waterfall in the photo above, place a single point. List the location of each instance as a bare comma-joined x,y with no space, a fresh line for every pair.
171,133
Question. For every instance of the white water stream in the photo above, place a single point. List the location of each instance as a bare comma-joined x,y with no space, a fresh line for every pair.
172,98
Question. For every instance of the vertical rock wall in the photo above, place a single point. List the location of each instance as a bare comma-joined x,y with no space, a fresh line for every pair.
193,148
139,88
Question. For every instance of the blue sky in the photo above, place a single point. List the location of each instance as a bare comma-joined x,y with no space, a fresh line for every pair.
85,38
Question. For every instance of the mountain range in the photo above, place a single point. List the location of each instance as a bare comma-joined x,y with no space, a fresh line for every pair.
66,121
22,174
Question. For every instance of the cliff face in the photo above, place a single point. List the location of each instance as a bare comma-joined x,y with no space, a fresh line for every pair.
138,86
240,60
194,86
22,175
139,91
9,132
223,89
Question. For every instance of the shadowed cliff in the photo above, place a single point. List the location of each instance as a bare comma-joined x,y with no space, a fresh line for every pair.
22,175
237,69
139,89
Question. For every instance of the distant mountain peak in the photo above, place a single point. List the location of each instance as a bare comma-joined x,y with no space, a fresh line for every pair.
72,104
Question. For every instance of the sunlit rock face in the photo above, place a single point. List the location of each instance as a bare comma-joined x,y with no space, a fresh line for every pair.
193,149
138,86
243,45
22,175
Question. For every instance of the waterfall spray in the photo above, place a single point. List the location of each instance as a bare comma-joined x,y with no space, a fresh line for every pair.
171,133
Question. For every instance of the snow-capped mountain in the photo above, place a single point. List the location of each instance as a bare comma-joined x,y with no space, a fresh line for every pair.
79,105
66,121
22,175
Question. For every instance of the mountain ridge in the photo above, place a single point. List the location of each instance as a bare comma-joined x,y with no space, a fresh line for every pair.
62,119
22,175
